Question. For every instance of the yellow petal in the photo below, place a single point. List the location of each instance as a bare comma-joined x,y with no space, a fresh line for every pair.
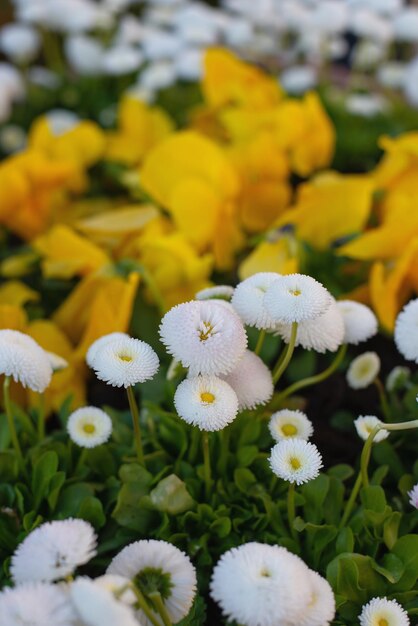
13,316
17,293
271,256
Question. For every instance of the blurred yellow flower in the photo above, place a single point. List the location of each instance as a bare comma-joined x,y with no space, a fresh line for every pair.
278,253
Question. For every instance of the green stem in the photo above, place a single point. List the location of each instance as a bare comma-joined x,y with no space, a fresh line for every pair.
160,607
135,420
41,418
365,456
194,445
225,435
291,509
206,462
81,460
143,605
260,341
351,501
281,366
383,399
313,380
11,424
401,425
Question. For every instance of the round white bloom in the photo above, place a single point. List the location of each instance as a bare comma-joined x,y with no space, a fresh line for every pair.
189,64
248,300
35,604
97,606
156,76
12,138
392,74
84,54
42,77
406,336
99,343
118,585
405,25
125,361
238,32
321,609
261,585
296,298
53,551
366,105
413,496
121,59
207,402
366,423
359,321
206,337
71,16
19,42
11,82
151,562
89,427
23,359
223,292
61,121
363,370
325,332
56,361
410,83
298,79
159,44
287,424
295,460
251,380
397,377
383,611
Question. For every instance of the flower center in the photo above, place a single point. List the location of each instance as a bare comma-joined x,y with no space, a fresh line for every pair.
295,463
295,292
152,579
207,397
383,622
289,430
89,429
265,573
125,357
205,330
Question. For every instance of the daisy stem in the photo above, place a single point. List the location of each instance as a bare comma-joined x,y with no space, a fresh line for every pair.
365,456
313,380
206,462
160,607
135,420
282,364
260,341
401,425
11,424
350,502
143,605
81,460
291,509
223,458
383,399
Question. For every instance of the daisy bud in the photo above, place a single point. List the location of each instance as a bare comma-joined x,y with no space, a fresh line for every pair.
24,360
251,380
56,361
397,378
287,424
248,300
296,298
295,460
365,424
359,321
37,604
383,611
406,337
96,606
221,292
89,427
207,337
207,402
363,370
413,496
99,343
321,608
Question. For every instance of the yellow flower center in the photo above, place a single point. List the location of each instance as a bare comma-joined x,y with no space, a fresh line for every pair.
295,292
265,573
383,622
207,397
289,430
205,331
125,357
89,429
295,463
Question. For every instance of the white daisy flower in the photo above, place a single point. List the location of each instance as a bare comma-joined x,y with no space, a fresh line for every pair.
222,292
359,320
89,427
96,606
120,586
397,377
251,380
366,423
287,424
321,608
56,361
24,360
35,604
295,460
383,611
248,300
325,332
263,585
99,343
53,551
296,298
363,370
125,361
413,496
207,337
406,336
158,566
207,402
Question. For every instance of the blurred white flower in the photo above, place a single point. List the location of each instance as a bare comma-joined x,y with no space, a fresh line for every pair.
368,55
405,25
370,25
156,76
406,336
366,105
248,300
84,54
365,424
391,74
330,16
221,292
89,427
97,606
298,79
19,42
24,360
12,138
121,59
360,322
43,77
35,604
381,610
11,83
295,460
321,608
158,44
363,370
188,64
251,380
238,32
288,423
61,121
71,16
397,377
413,496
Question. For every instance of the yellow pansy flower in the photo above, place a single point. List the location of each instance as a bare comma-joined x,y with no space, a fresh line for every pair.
278,253
16,293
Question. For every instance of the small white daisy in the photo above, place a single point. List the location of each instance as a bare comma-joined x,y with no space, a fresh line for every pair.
287,424
248,300
359,320
221,292
207,337
99,343
406,336
363,370
89,427
158,566
95,605
53,551
413,496
56,361
296,298
397,378
366,423
325,332
35,604
251,380
207,402
295,460
381,611
125,361
24,360
321,608
120,586
259,584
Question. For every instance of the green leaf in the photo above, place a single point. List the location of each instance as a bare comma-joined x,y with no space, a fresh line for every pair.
70,499
391,529
9,466
246,455
244,479
91,510
345,541
131,510
373,498
353,577
392,568
55,486
221,527
406,549
250,432
44,470
171,496
341,471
